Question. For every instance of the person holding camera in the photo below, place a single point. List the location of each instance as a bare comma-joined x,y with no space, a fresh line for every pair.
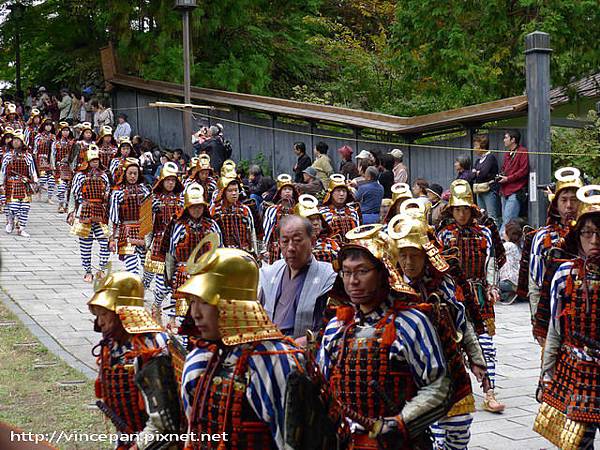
513,177
486,171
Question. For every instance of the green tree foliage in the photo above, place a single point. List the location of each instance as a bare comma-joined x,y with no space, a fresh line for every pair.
401,57
578,147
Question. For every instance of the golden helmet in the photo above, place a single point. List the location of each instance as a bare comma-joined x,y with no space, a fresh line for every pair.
123,293
400,190
34,112
85,126
371,238
194,160
589,196
130,162
124,140
105,131
566,177
307,206
194,195
410,229
460,194
62,126
18,134
11,108
92,152
228,169
337,180
228,174
8,131
170,169
284,180
204,162
228,279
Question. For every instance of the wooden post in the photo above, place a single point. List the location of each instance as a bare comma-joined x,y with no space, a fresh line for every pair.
537,66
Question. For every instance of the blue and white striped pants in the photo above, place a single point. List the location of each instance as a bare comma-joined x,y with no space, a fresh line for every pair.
85,248
489,353
18,211
452,433
135,263
61,191
49,181
160,289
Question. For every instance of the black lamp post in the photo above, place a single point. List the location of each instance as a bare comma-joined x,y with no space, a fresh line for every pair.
186,7
17,12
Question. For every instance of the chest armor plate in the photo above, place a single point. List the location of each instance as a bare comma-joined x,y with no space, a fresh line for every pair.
168,207
341,223
362,359
234,227
194,233
226,409
106,154
132,200
472,247
118,390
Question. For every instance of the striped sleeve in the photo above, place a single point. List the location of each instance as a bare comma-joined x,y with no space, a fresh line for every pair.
489,258
176,237
269,222
444,236
536,260
76,187
419,345
3,167
329,346
115,202
31,167
113,166
269,367
195,365
557,291
214,228
449,292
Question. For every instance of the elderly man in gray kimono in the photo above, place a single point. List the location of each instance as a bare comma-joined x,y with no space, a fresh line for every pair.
294,290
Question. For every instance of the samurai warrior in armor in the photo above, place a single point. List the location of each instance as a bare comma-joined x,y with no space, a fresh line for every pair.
381,355
126,199
283,203
167,204
233,217
569,416
340,209
33,125
135,386
88,211
200,171
107,145
87,137
118,163
18,180
426,271
542,263
181,237
60,162
324,248
460,229
234,378
42,147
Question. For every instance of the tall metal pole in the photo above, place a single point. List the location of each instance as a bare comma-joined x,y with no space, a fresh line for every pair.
187,88
537,65
18,55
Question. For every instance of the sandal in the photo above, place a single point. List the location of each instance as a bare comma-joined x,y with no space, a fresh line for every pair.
88,277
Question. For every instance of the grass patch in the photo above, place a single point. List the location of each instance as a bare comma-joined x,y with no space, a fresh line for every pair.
32,399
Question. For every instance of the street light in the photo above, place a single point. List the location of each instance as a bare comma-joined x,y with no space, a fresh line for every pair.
17,12
186,7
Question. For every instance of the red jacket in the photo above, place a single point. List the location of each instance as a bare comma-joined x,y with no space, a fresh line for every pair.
516,168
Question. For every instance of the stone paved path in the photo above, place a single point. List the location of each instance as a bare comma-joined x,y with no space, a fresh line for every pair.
41,279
